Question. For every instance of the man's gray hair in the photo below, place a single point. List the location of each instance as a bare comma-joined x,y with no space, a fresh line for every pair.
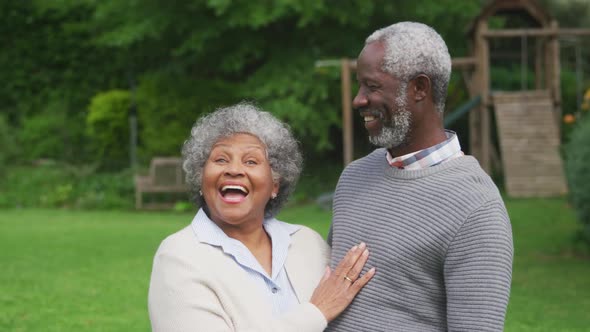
282,149
414,48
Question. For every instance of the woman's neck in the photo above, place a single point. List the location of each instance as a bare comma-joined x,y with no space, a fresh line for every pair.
256,240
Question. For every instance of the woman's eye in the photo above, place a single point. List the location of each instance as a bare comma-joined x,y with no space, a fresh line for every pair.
220,160
251,162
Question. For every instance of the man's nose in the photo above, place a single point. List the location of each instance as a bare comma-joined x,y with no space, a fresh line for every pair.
360,100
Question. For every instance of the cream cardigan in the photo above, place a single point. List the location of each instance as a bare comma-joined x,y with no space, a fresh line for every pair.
196,287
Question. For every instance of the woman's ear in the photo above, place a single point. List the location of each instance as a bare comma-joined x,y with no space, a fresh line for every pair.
275,190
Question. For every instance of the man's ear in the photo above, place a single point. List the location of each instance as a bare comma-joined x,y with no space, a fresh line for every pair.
420,87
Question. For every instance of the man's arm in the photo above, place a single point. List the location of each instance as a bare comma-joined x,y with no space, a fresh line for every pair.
478,271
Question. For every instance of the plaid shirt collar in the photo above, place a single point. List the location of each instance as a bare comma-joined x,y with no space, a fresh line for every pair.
434,155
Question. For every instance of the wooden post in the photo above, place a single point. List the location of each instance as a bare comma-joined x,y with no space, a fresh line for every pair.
347,128
474,115
548,62
555,85
539,63
474,130
486,141
479,120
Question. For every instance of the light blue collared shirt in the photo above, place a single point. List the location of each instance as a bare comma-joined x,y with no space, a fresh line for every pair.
277,287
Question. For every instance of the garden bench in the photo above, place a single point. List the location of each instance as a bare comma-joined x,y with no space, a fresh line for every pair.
165,176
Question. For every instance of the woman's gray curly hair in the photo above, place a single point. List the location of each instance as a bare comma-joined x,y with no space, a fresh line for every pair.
282,149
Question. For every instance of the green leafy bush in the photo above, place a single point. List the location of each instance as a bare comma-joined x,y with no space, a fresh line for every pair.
42,136
25,186
64,186
168,106
107,126
105,191
578,173
8,144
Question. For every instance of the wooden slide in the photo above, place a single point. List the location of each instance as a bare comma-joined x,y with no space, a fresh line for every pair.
529,143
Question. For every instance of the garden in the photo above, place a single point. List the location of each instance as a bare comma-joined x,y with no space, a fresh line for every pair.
94,90
66,270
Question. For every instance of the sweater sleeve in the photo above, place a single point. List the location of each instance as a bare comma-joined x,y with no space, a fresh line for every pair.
478,271
182,299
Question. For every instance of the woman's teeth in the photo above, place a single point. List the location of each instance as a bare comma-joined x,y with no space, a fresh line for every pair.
234,187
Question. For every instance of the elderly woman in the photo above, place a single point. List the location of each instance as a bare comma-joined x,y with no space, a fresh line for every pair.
237,268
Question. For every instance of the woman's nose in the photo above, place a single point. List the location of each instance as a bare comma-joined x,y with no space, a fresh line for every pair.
234,168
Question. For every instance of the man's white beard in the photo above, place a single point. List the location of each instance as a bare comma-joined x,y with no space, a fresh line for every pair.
395,133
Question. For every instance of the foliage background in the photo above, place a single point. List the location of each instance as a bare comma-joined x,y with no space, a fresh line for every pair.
181,59
178,59
174,60
578,173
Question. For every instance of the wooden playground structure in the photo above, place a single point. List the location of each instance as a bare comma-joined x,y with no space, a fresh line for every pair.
527,121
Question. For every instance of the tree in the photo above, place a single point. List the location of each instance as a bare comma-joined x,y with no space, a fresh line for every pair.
215,52
191,56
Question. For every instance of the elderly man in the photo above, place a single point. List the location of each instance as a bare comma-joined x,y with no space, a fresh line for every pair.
439,232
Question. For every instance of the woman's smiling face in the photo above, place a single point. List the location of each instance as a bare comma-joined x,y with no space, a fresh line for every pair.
237,181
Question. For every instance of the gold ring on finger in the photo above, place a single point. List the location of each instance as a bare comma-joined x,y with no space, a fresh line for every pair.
347,278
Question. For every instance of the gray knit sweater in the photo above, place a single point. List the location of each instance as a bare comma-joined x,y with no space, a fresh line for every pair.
440,239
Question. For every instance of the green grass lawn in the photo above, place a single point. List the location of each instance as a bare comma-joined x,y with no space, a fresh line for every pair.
89,271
